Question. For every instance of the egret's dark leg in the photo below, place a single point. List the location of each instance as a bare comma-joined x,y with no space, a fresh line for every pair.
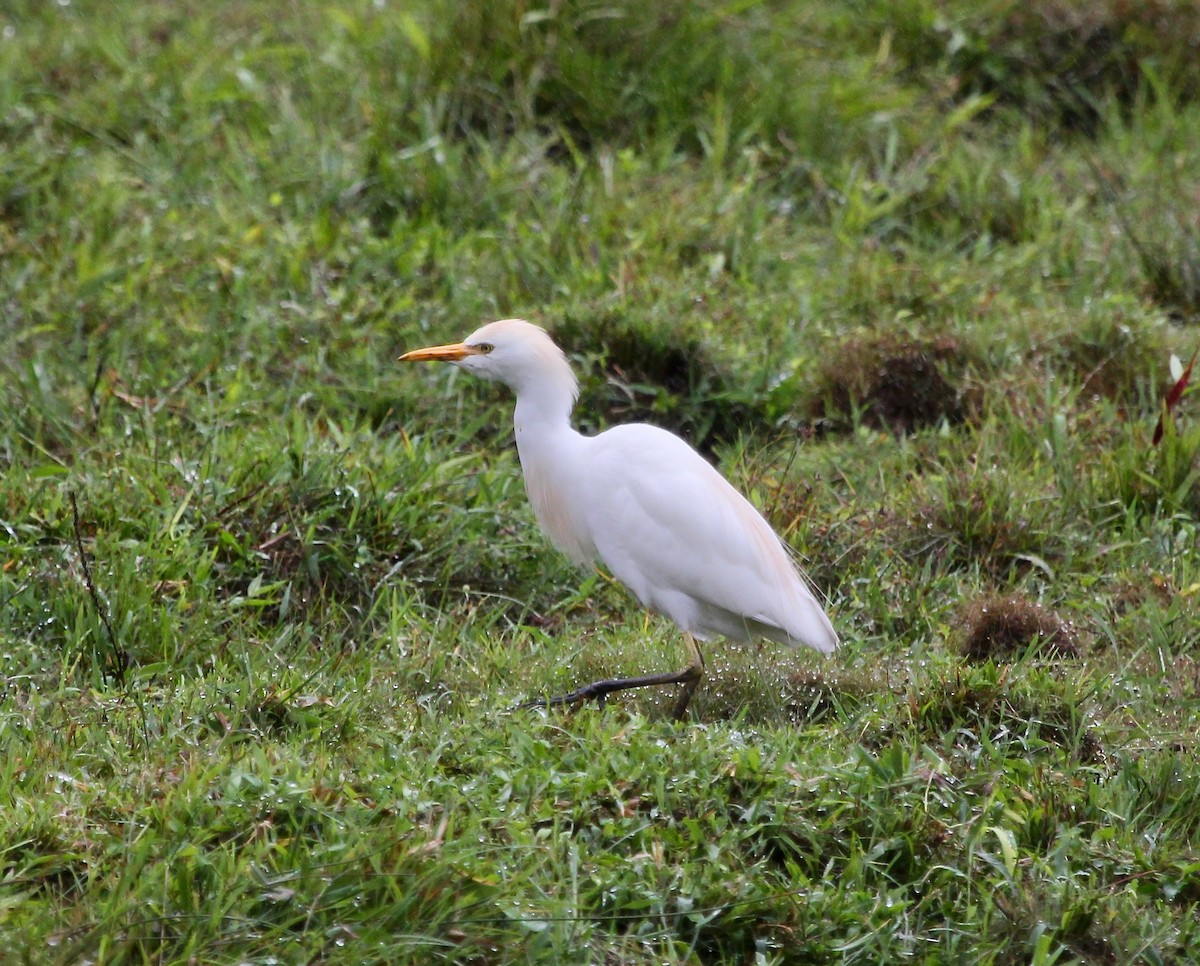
689,677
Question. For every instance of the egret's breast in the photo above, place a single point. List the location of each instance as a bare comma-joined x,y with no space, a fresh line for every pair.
555,505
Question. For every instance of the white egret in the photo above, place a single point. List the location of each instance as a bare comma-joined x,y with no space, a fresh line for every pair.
648,506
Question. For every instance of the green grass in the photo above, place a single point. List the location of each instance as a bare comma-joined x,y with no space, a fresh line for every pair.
911,273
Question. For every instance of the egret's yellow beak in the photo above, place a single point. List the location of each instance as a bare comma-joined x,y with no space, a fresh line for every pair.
440,353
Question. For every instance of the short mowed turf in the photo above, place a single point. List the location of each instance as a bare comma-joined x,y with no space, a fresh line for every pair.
920,277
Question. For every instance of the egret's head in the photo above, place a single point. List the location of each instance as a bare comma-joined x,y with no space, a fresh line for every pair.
512,351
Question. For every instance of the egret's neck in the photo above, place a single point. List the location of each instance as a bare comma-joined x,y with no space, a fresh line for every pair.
542,415
550,462
545,397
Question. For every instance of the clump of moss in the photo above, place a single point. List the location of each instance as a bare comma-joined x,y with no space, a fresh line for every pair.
891,381
998,628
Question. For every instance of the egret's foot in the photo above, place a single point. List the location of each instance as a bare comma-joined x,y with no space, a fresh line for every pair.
689,677
599,690
694,673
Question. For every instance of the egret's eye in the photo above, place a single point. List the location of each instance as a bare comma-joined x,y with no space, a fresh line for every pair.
484,347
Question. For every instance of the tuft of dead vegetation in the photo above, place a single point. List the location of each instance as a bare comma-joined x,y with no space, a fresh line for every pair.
892,381
999,628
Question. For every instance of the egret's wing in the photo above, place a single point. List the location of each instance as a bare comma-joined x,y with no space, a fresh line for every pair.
671,527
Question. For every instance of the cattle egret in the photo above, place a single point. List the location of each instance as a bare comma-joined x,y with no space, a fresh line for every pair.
648,506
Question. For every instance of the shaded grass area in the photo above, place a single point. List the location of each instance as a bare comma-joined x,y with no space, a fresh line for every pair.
912,274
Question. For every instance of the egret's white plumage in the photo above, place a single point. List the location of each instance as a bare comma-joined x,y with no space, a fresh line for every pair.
644,503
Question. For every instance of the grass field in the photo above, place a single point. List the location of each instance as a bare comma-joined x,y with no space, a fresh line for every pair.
917,275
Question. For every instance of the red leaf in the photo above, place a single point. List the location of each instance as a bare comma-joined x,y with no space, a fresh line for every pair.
1173,398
